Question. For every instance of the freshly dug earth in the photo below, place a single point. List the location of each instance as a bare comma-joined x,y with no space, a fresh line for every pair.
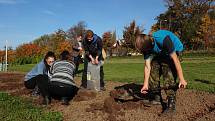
87,105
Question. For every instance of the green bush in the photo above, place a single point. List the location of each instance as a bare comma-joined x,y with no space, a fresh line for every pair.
27,60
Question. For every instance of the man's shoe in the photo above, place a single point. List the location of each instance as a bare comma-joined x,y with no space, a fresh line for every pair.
170,105
64,101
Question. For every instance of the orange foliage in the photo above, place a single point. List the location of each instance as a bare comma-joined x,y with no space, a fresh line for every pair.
28,50
10,56
65,45
106,39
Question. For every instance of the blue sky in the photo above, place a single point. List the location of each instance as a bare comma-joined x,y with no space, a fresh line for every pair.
23,21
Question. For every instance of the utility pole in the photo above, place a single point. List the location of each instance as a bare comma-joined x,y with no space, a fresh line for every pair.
6,56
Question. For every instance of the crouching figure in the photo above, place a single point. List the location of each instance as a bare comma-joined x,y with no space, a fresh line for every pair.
61,84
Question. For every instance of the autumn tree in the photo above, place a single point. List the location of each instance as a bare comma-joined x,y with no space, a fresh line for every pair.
28,53
129,35
55,40
206,31
212,28
64,45
1,56
185,17
76,30
10,56
108,39
43,42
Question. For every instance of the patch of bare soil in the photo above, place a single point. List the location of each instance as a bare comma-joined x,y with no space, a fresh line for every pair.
118,104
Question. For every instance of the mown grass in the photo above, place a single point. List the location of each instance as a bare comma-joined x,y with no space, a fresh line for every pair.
198,70
200,76
20,68
16,109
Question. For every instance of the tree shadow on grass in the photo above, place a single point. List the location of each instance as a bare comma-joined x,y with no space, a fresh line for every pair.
204,81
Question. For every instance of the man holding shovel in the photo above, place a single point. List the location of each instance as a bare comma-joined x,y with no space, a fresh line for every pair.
92,45
161,59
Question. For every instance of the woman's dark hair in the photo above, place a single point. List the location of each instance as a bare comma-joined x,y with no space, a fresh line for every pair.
50,54
144,43
65,55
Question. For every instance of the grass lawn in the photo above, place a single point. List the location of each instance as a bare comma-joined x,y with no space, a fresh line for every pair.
21,68
16,109
198,70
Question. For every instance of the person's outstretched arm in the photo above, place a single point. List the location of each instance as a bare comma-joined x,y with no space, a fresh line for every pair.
182,81
147,70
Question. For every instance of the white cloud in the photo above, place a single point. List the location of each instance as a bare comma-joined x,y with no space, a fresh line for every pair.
48,12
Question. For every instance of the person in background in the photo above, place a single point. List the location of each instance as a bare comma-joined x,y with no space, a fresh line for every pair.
76,53
61,83
92,45
161,58
39,73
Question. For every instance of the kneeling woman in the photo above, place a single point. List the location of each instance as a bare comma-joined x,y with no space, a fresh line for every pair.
39,74
61,82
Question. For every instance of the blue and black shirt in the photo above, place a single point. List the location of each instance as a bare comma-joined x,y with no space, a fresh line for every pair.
165,43
39,69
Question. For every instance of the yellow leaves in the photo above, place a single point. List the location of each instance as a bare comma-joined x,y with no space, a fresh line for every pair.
189,10
154,28
28,50
10,53
207,25
206,30
65,45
